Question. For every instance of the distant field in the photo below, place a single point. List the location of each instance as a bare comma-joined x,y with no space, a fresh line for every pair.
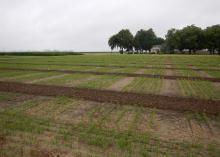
41,125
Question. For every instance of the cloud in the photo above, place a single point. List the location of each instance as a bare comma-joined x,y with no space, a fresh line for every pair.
86,25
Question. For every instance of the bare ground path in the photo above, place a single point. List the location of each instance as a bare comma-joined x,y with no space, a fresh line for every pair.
170,87
119,85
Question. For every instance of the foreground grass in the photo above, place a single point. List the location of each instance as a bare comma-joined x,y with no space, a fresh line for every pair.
69,127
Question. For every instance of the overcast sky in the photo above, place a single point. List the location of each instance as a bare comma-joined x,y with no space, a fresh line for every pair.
86,25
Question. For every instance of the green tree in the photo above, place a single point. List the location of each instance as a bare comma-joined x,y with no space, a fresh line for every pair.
171,40
159,41
191,38
144,40
212,38
123,40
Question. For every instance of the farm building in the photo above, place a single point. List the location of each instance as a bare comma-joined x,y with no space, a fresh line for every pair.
156,48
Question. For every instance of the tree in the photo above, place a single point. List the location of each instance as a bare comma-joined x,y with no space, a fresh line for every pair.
171,40
126,39
123,40
150,39
191,38
139,40
144,40
212,38
113,42
159,41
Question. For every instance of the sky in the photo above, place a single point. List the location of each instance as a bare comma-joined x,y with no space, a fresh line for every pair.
86,25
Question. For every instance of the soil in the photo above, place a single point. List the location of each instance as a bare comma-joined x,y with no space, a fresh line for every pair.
173,125
121,74
170,87
217,85
119,85
121,66
2,141
204,74
123,98
41,153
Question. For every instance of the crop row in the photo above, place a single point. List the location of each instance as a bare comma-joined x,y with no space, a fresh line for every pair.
187,88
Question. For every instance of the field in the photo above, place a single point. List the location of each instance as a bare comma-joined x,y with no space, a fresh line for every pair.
110,105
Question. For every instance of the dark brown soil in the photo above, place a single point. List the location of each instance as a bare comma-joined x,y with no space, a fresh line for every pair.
41,153
121,66
170,77
2,141
123,98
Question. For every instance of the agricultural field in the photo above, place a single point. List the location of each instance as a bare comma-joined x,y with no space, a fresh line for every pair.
110,105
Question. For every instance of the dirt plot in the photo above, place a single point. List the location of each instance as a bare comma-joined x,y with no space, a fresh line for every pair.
121,66
121,74
123,98
2,141
119,85
170,87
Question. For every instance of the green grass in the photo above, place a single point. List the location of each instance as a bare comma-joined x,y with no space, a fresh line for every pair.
4,74
106,59
33,76
214,73
144,85
100,82
198,89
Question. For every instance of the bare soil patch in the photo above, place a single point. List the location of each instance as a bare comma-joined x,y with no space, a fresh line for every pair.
41,153
119,85
174,125
2,141
121,74
204,74
123,98
170,87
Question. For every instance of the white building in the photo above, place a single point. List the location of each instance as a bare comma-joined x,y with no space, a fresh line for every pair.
156,49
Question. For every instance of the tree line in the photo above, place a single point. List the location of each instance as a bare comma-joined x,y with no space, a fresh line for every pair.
189,39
